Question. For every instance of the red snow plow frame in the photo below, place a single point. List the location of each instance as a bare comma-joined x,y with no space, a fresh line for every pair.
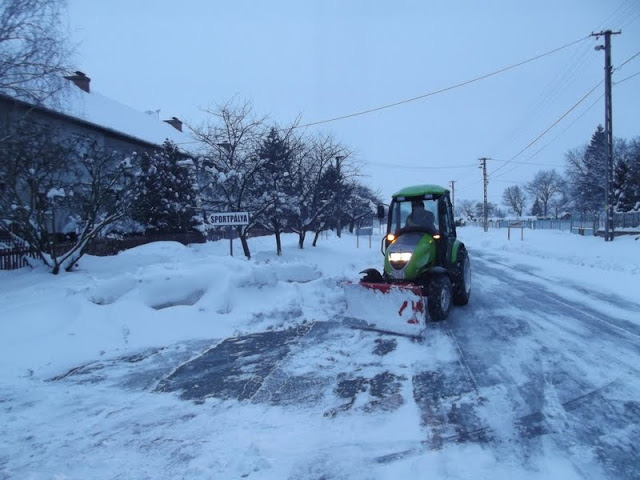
417,307
397,308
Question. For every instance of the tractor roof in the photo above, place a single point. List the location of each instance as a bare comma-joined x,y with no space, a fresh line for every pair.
419,190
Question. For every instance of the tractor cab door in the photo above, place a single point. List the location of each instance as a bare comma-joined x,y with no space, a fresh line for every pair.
447,229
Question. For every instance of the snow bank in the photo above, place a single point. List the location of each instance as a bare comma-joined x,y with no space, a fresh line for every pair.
165,292
158,295
563,257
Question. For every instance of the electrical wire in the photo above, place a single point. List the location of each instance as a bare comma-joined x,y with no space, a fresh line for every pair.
625,62
442,90
568,126
626,78
528,163
512,160
550,127
553,139
568,75
412,167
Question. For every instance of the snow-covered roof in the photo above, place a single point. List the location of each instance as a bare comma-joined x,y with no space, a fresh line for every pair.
105,112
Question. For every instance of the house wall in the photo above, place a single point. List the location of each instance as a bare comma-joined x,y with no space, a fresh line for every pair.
14,112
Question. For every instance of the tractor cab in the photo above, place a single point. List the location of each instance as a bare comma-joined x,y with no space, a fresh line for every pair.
422,210
423,257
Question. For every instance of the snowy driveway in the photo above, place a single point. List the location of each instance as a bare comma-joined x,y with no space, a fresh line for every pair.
534,379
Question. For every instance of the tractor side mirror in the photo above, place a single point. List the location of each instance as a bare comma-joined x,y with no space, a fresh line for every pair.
380,213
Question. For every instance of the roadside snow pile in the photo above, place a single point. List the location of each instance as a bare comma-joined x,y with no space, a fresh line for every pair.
162,293
562,256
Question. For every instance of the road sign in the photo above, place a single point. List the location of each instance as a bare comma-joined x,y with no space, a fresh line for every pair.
364,231
229,219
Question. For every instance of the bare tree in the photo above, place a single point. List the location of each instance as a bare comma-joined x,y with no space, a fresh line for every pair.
231,164
467,208
544,186
33,48
54,185
514,198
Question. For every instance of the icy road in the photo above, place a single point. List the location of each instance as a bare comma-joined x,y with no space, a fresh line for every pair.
538,377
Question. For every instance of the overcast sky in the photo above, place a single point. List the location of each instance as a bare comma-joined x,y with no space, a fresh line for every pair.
322,59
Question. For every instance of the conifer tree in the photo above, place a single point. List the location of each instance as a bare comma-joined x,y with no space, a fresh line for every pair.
167,198
536,209
274,183
586,173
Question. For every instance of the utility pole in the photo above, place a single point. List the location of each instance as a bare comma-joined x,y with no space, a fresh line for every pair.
339,159
485,181
608,131
453,195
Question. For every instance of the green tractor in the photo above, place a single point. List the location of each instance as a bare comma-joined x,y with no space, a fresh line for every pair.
424,260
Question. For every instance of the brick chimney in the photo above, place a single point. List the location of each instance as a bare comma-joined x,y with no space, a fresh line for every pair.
175,123
81,80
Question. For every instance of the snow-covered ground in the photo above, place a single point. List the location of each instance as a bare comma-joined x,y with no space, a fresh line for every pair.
181,362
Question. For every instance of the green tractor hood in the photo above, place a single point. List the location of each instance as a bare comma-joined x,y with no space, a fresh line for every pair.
409,255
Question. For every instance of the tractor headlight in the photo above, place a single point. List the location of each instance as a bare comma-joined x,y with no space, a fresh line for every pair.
400,256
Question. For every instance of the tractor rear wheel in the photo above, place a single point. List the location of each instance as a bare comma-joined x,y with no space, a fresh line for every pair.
439,295
462,279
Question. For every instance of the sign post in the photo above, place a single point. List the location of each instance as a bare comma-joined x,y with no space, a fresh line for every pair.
368,231
229,219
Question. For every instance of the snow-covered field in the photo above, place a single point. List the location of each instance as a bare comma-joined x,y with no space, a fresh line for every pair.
182,362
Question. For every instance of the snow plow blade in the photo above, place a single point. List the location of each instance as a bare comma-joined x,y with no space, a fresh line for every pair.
386,307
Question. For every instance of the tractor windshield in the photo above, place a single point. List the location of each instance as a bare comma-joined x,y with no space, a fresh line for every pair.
415,214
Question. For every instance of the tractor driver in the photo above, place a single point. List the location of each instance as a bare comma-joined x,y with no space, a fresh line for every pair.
419,217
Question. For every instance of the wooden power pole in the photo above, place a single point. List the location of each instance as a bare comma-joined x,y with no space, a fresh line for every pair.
485,182
608,131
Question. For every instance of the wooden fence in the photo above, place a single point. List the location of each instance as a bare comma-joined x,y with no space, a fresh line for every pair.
15,253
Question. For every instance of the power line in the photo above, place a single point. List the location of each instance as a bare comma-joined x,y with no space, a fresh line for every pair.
552,140
442,90
563,131
512,160
550,127
528,163
549,94
625,62
411,167
626,78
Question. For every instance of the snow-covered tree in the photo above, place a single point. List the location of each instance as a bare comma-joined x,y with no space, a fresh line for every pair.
627,175
316,183
230,164
274,182
362,203
166,199
586,173
55,184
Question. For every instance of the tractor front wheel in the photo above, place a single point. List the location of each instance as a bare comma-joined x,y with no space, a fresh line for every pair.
439,295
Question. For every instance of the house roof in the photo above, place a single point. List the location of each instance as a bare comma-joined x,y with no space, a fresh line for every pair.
97,111
102,111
